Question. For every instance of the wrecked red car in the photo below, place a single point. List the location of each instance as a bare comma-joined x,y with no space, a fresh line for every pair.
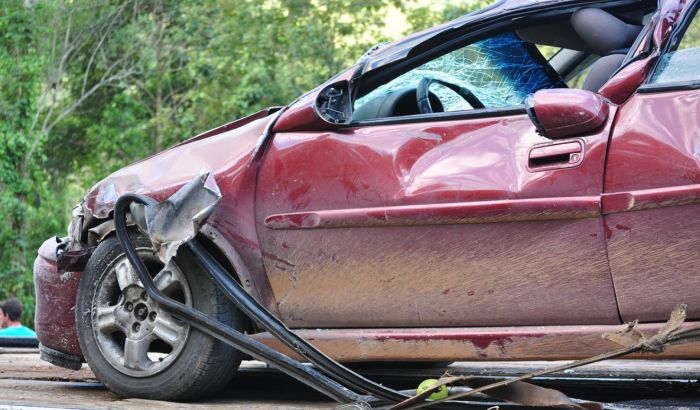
454,195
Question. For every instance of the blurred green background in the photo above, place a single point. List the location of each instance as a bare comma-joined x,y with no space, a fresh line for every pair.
88,86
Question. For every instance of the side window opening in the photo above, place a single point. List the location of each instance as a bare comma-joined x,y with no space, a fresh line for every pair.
577,77
581,49
548,51
572,65
680,64
499,71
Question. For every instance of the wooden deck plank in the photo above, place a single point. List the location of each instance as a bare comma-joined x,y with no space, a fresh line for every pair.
27,365
27,381
82,395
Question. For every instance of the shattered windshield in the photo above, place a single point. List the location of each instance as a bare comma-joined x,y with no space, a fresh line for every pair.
500,71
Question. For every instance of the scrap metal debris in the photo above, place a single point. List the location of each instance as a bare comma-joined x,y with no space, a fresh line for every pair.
514,390
176,220
68,260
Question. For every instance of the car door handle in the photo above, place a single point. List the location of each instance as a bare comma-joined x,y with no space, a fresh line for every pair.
558,155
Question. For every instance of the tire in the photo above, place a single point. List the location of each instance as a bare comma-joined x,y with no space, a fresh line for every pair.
168,359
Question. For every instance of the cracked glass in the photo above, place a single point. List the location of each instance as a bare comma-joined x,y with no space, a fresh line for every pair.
500,71
681,64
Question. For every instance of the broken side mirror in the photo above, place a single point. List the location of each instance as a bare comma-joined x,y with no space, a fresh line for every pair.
334,103
563,113
326,109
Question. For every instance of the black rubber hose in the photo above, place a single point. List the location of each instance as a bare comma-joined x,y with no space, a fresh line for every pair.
265,319
214,328
255,311
306,374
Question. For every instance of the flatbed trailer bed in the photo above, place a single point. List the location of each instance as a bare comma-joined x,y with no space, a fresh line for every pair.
29,383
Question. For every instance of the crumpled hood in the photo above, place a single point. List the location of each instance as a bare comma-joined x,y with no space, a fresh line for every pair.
226,150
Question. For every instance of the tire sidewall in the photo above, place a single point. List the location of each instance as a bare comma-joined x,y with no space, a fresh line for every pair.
181,379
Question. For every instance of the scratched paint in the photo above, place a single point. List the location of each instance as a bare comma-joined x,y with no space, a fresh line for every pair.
392,244
474,344
653,183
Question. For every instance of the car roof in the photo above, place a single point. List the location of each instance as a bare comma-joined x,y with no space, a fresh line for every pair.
400,49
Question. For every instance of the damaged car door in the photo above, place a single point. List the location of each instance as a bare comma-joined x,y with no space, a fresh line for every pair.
439,204
652,187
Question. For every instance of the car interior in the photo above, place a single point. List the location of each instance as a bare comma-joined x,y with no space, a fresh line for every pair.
584,49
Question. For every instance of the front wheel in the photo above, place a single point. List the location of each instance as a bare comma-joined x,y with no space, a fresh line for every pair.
138,349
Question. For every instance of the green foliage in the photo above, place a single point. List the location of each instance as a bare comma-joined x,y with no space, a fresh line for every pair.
20,87
255,56
88,86
425,16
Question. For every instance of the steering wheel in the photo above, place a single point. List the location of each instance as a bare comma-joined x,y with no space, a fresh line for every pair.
423,94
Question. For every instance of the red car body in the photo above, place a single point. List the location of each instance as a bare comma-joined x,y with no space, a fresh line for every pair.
444,238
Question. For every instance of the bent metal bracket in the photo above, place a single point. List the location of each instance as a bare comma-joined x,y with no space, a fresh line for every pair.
176,222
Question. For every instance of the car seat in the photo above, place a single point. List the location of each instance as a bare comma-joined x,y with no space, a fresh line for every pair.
608,37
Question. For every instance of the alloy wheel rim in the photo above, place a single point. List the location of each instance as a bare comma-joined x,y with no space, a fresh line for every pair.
134,335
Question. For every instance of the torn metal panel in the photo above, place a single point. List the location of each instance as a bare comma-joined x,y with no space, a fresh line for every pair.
74,260
75,228
96,234
230,153
55,301
179,218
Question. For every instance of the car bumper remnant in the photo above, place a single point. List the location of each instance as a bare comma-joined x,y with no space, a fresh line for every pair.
55,296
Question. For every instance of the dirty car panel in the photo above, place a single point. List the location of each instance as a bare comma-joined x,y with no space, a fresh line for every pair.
441,267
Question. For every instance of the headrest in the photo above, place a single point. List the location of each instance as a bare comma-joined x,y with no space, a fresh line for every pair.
603,32
556,34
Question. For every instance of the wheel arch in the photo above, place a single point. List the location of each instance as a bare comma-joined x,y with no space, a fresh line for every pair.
212,240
